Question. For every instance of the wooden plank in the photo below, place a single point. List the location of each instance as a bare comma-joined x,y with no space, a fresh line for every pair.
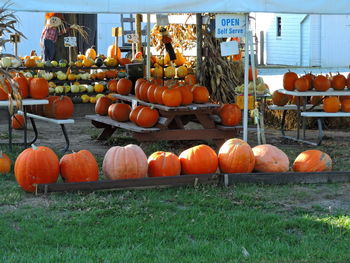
125,125
287,178
150,182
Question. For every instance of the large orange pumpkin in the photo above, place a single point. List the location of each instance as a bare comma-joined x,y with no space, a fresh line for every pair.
345,105
230,114
279,98
200,159
236,156
147,117
79,167
39,88
36,165
5,163
124,86
59,107
111,52
119,111
321,83
312,161
338,82
288,80
102,105
200,94
127,162
163,164
172,97
270,159
23,86
17,122
331,104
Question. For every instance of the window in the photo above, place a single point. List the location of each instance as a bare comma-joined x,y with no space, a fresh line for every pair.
278,26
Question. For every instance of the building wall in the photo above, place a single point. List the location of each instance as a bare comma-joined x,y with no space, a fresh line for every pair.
315,40
305,42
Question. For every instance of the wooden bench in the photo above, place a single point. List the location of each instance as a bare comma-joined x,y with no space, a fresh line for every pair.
32,116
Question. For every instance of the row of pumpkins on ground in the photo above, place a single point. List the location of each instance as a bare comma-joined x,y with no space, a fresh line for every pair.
40,165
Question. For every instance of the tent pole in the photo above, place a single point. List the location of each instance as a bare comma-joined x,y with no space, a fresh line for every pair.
148,63
246,65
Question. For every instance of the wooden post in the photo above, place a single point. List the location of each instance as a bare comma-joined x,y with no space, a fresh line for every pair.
138,20
199,43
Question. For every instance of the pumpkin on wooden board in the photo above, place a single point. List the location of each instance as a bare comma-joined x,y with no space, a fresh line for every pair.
321,83
134,112
279,98
312,161
124,86
36,165
200,159
172,97
230,114
119,112
158,94
5,163
147,117
270,159
236,156
338,82
345,105
102,105
200,94
128,162
39,88
137,86
331,104
17,122
143,89
163,164
79,167
150,93
288,80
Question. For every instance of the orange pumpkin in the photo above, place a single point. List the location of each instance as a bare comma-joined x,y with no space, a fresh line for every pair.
200,159
23,86
112,85
17,122
134,112
288,80
127,162
331,104
302,84
79,167
36,165
124,86
39,88
111,52
270,159
250,74
163,164
90,53
172,97
236,156
30,63
150,93
298,100
338,82
316,100
186,95
310,77
200,94
119,112
59,107
321,83
147,117
190,79
111,74
345,105
279,98
158,93
4,91
142,91
102,105
230,114
5,163
124,61
312,161
341,98
137,86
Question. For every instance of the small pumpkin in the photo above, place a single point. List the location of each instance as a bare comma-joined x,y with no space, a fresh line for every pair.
312,161
236,156
102,105
17,122
338,82
316,100
119,112
143,89
137,86
302,84
288,80
5,91
112,85
200,94
147,117
270,159
345,105
163,164
331,104
321,83
5,163
79,167
124,86
190,79
127,162
124,61
150,93
230,114
36,165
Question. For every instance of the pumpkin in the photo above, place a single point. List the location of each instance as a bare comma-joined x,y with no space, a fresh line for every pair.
17,122
4,91
345,105
288,80
316,100
250,74
279,98
158,94
321,83
302,84
338,82
111,74
312,161
310,77
112,85
230,114
39,88
186,95
101,75
157,82
30,63
59,107
200,94
147,117
190,79
36,165
134,112
298,100
111,52
5,163
102,105
331,104
142,92
163,164
137,86
124,61
23,86
119,111
200,159
341,98
90,53
150,93
172,97
79,167
270,159
236,156
127,162
124,86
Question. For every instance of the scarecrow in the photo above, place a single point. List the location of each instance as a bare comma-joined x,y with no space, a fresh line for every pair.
166,40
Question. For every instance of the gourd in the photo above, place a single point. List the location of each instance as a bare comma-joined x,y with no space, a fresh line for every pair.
90,53
163,164
312,161
270,159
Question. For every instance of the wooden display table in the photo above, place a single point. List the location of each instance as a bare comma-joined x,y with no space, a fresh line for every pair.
171,124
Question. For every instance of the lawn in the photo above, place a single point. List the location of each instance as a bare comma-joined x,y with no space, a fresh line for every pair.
240,223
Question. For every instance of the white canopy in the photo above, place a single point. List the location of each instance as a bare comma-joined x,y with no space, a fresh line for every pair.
182,6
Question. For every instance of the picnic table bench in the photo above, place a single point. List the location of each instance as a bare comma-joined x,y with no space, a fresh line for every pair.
171,124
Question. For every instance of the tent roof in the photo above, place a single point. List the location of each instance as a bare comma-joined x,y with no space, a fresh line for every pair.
183,6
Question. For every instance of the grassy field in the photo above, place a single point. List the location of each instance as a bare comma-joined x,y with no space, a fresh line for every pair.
241,223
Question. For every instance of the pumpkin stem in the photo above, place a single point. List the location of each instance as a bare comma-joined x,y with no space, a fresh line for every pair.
34,147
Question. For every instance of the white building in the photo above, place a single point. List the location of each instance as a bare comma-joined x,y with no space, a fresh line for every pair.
305,40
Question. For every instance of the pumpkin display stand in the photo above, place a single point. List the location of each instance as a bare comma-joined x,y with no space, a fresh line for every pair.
194,180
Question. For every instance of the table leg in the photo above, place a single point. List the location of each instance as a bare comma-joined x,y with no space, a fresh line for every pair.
10,131
25,127
304,120
298,118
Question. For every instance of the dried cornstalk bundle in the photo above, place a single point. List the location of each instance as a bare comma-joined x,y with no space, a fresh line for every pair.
219,74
